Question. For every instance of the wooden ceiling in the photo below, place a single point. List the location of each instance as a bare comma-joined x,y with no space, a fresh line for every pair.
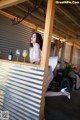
66,21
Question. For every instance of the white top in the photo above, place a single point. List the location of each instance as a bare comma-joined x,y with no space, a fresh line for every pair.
35,53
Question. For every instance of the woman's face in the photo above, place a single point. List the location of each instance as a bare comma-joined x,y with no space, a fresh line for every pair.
33,38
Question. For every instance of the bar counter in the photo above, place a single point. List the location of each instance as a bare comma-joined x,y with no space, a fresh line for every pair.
20,89
20,63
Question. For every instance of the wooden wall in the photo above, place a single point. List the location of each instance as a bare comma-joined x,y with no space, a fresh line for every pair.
75,55
67,52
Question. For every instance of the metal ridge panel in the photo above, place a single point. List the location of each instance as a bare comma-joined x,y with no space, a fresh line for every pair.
21,90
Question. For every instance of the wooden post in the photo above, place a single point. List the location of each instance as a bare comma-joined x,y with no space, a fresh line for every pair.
62,52
57,47
46,48
35,30
71,54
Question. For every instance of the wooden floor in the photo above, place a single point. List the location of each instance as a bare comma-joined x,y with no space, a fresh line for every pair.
61,108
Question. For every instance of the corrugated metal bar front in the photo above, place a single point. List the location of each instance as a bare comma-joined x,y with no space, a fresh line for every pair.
20,90
13,37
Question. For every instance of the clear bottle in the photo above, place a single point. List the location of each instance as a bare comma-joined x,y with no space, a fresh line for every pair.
10,56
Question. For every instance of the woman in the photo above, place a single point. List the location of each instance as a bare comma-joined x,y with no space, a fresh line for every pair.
35,58
36,48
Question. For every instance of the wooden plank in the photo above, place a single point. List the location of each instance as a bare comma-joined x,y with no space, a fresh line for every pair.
71,53
20,63
8,3
26,23
46,48
48,32
68,15
57,47
75,45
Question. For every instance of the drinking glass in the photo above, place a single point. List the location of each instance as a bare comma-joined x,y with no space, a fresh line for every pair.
18,54
24,54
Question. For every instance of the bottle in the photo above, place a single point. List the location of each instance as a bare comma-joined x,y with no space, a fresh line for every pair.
10,56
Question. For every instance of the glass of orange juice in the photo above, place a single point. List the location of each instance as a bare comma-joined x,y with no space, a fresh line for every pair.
24,54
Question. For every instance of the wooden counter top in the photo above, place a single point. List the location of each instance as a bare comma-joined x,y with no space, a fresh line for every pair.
20,63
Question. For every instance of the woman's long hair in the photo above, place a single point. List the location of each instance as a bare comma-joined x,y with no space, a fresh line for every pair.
39,40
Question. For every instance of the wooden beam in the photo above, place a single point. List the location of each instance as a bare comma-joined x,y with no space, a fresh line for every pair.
36,14
53,34
18,12
71,53
48,32
60,33
62,52
75,40
68,14
78,7
57,47
26,23
46,48
8,3
63,30
65,25
56,34
75,45
20,9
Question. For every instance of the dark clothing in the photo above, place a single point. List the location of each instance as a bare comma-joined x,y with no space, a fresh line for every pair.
65,84
59,75
72,81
